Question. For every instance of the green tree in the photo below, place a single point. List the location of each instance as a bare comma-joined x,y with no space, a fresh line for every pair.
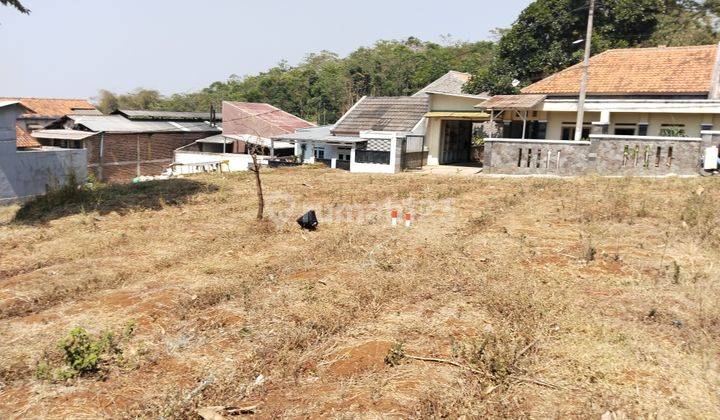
16,4
323,86
541,41
107,101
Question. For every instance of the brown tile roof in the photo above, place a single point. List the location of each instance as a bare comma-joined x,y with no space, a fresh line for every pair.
52,107
24,139
399,114
638,71
512,102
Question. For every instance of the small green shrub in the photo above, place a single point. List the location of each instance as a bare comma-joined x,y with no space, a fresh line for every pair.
43,370
84,354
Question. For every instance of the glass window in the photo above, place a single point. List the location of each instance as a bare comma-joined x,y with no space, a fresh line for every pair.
625,131
319,153
568,133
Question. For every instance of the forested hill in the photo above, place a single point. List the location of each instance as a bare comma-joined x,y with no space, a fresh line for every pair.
540,42
323,86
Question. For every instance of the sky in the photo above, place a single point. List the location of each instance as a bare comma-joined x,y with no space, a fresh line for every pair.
74,48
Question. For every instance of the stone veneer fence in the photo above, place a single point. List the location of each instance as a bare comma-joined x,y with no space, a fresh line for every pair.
603,154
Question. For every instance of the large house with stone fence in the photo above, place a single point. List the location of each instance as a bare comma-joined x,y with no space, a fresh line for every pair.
650,111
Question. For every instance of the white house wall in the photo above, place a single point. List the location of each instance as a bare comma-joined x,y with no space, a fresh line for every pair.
233,162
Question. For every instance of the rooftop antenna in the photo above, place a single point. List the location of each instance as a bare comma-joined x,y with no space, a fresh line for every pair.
586,69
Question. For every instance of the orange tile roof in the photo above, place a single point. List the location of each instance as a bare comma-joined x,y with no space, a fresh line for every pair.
52,107
638,71
24,139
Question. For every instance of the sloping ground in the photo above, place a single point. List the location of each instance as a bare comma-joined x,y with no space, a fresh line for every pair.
539,298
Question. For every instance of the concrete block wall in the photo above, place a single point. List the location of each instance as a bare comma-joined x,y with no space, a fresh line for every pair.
26,174
605,155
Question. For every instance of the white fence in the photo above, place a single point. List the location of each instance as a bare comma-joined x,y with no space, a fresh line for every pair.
199,162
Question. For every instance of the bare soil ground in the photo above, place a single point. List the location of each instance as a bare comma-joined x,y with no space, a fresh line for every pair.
538,298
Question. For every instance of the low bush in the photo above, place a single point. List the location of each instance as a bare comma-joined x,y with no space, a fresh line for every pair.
83,354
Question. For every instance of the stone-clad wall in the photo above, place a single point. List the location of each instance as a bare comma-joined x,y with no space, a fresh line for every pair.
528,157
654,156
604,155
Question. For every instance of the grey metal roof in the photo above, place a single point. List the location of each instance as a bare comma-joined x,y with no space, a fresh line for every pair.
120,124
8,103
166,115
318,135
62,134
397,114
452,82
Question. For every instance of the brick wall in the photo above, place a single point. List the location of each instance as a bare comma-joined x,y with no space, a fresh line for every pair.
155,151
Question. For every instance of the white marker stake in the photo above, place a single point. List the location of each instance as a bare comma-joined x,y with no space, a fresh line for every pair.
408,220
394,217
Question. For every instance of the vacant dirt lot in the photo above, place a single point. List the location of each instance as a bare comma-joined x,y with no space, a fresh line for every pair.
508,297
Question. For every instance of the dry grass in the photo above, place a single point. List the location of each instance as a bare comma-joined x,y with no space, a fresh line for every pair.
555,298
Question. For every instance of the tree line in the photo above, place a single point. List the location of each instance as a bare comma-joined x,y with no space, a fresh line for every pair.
540,42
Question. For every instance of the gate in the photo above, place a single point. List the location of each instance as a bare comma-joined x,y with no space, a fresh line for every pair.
413,155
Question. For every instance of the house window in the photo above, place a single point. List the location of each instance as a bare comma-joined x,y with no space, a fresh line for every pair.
568,132
343,154
624,131
672,130
319,153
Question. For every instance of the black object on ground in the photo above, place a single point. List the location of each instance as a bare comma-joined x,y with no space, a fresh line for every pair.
308,221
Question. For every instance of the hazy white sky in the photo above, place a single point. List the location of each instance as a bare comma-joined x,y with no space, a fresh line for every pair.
73,48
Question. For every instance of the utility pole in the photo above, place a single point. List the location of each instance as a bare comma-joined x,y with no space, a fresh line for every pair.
585,75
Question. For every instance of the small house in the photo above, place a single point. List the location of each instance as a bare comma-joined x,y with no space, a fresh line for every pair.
248,128
120,149
649,111
437,125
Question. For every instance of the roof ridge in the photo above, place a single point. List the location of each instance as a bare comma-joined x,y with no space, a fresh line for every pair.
675,47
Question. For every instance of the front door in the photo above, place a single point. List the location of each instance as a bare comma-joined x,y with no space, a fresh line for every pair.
457,142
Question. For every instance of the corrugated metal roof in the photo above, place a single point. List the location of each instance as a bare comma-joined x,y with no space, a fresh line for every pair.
62,134
397,114
8,103
278,144
459,114
144,114
260,119
512,102
120,124
318,135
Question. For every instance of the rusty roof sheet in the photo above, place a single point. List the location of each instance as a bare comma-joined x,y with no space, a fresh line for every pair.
638,71
24,139
276,120
51,106
513,102
398,114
